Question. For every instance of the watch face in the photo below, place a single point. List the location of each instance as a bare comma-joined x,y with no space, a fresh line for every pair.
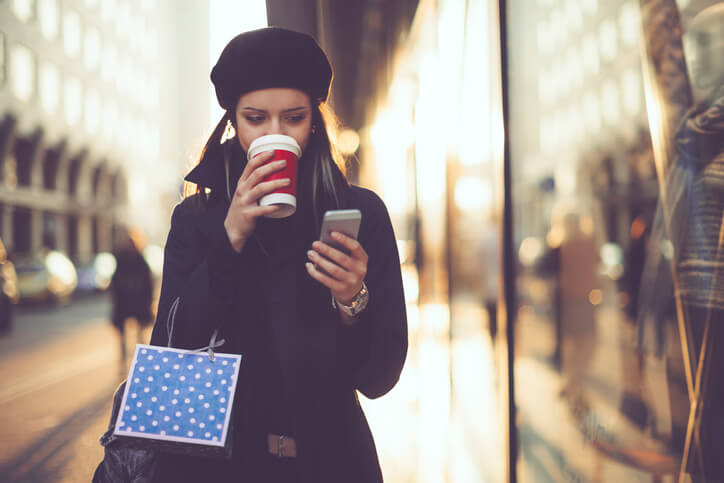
361,302
358,304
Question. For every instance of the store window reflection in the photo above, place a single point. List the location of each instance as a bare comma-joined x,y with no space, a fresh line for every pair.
618,211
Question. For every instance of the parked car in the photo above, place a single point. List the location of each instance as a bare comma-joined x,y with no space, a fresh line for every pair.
47,276
8,289
96,276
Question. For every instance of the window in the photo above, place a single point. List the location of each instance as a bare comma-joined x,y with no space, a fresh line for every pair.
574,15
607,37
629,22
592,112
108,9
590,6
136,32
22,72
631,91
590,54
23,9
610,102
574,67
49,87
109,69
545,88
148,5
122,20
92,49
73,100
71,33
93,111
48,17
110,121
544,37
122,75
150,45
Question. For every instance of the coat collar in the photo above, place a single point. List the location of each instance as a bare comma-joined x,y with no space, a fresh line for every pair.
209,173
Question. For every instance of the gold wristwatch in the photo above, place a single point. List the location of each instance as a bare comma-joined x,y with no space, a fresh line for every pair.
357,305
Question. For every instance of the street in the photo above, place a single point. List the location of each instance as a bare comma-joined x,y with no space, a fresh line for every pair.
58,369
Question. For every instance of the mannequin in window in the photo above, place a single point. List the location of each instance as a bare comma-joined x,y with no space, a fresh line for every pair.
696,224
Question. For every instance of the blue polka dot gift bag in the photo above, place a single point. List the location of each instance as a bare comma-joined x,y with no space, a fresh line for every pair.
178,397
173,401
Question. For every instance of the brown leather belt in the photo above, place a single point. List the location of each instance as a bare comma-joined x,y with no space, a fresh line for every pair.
281,446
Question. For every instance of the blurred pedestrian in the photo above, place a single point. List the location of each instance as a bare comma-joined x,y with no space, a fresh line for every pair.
314,324
131,288
578,261
489,253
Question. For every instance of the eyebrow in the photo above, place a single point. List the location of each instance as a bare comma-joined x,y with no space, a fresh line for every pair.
293,109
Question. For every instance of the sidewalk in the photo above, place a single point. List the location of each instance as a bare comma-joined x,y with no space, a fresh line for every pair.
58,370
441,423
586,434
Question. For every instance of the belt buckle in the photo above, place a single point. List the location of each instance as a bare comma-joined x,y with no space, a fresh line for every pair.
280,448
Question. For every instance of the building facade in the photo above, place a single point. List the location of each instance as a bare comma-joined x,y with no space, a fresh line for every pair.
83,132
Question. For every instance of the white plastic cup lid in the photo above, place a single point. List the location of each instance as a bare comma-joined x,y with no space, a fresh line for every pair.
271,142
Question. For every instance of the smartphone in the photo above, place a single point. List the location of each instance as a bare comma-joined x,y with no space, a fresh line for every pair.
342,221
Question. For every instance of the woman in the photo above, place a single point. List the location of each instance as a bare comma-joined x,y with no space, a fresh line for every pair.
131,289
266,283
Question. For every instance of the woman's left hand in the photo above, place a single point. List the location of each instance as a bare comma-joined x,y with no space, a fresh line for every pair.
343,274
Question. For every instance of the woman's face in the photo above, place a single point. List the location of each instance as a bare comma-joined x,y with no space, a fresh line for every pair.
276,110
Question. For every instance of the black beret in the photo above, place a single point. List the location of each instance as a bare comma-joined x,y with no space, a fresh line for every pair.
271,57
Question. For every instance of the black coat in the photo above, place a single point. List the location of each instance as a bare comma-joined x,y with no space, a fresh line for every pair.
301,366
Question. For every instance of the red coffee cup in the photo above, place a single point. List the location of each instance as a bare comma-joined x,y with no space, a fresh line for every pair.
287,148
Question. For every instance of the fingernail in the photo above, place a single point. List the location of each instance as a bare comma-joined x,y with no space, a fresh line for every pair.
310,253
308,265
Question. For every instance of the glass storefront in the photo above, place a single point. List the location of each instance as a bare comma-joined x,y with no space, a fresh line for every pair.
434,153
616,135
593,352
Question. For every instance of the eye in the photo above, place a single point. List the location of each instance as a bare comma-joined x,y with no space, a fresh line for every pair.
296,118
253,119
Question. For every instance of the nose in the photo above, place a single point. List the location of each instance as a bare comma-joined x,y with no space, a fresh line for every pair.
275,125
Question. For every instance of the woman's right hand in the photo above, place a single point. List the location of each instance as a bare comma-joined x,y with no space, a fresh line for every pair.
244,208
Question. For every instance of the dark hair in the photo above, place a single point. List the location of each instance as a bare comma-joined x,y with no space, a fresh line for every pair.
322,184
